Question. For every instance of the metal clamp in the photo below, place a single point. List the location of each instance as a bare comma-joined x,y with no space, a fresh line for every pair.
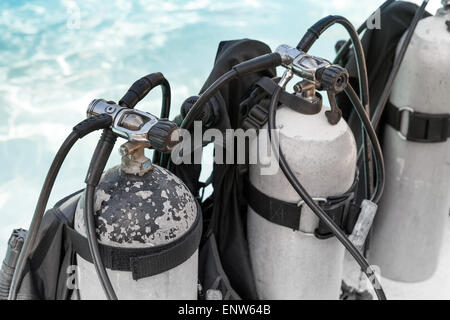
130,124
301,63
400,113
302,202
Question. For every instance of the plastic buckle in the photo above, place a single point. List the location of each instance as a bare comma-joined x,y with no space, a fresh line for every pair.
256,118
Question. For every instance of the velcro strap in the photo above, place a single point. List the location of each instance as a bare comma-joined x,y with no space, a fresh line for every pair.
143,262
422,127
288,214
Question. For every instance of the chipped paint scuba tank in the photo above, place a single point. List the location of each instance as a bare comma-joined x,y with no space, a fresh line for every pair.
148,225
295,261
408,230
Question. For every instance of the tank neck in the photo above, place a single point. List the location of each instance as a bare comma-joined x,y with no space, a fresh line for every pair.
134,161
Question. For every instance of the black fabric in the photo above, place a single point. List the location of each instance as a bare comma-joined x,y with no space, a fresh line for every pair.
422,127
288,214
142,262
230,208
212,273
49,265
227,207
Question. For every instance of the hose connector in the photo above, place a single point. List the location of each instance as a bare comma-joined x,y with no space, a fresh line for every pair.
333,79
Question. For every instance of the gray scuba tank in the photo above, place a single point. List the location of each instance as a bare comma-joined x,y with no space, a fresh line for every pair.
149,224
292,262
409,227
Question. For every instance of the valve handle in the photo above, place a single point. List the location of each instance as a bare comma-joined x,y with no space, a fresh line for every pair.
333,79
163,136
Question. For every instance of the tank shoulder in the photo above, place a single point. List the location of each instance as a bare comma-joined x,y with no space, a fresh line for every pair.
134,211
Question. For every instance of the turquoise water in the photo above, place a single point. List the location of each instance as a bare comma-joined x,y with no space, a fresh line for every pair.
56,56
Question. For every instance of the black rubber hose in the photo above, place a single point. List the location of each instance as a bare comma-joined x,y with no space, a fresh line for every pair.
158,157
398,61
96,167
83,128
373,139
140,88
259,63
321,26
266,61
166,99
340,235
306,43
361,28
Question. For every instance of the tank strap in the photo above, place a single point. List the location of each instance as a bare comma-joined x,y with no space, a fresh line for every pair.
258,111
421,127
142,262
288,214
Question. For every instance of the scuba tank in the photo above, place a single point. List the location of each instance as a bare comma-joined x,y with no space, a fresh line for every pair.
154,213
292,255
281,232
293,263
134,233
408,230
145,216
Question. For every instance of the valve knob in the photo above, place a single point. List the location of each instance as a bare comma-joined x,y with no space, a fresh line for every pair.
163,136
334,78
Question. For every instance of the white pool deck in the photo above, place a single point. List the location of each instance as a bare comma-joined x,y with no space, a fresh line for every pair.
436,288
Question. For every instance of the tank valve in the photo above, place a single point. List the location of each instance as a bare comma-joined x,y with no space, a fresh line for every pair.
134,160
137,126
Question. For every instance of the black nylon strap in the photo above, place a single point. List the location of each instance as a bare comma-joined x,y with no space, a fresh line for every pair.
292,101
280,212
288,214
258,113
143,262
422,127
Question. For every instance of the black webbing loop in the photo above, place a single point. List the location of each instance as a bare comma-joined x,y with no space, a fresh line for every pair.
258,113
422,127
143,262
280,212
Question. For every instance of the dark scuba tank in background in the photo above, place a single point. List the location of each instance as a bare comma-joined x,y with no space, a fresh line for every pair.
408,230
13,249
147,222
292,258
